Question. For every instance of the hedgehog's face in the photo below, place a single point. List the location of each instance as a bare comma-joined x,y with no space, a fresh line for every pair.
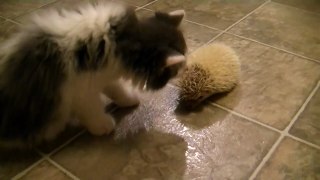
194,100
195,85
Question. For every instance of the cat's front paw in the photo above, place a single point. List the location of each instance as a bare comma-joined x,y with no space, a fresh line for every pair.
102,127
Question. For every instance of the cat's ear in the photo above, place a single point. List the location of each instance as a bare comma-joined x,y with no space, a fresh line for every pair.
175,17
127,23
175,58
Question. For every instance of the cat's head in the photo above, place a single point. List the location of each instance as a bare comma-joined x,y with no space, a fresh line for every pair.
152,49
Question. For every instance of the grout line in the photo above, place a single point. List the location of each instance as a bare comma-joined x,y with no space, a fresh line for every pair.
245,117
232,25
3,18
58,166
13,21
237,22
284,133
243,37
274,47
203,25
27,12
304,10
44,156
264,125
302,108
10,20
142,7
66,143
25,171
266,157
303,141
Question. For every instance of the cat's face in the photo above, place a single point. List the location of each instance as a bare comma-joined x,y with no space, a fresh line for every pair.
153,49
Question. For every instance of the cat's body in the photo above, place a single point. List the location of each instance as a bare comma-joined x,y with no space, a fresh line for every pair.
57,66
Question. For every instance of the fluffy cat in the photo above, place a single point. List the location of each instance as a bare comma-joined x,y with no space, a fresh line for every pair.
57,65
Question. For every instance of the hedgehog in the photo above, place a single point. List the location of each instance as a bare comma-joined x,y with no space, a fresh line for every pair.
212,69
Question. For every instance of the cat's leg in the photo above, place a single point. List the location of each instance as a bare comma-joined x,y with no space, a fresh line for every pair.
122,94
91,114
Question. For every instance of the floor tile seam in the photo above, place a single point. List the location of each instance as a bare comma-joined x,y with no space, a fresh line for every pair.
240,20
243,37
302,108
70,140
303,141
274,47
246,117
190,21
28,169
267,157
284,133
290,6
148,4
238,114
266,126
61,168
28,12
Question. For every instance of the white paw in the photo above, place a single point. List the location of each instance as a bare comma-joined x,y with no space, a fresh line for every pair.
102,127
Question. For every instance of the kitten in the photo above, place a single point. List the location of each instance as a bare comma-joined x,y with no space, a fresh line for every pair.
55,67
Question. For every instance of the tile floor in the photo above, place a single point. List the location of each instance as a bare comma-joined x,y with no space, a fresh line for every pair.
267,128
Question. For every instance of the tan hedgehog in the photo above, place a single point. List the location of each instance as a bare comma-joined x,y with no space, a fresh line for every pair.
212,69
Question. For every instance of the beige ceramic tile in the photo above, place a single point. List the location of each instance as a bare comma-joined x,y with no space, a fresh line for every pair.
66,4
137,2
6,29
309,5
292,160
307,126
2,20
273,84
195,35
46,171
13,162
14,8
66,135
158,141
284,27
218,14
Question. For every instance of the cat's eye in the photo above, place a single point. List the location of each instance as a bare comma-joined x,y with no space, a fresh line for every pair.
113,29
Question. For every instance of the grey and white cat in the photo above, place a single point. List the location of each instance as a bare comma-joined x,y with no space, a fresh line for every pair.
56,67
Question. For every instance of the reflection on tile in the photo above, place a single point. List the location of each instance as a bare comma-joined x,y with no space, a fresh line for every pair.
196,35
155,140
45,171
6,29
14,8
292,160
307,126
273,84
14,161
147,155
218,14
309,5
284,27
